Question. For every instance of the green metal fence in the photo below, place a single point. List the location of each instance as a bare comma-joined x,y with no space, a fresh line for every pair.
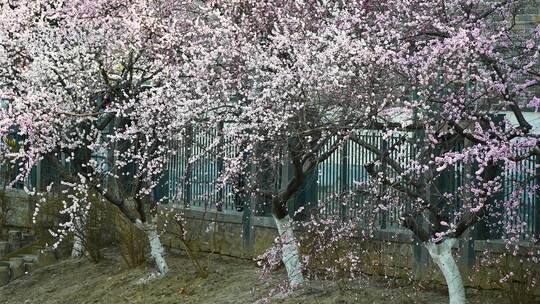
334,184
194,168
192,181
526,214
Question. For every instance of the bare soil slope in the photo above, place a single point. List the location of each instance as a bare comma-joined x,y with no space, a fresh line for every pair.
230,281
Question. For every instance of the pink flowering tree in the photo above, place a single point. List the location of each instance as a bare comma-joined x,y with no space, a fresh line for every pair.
293,81
290,81
306,76
471,73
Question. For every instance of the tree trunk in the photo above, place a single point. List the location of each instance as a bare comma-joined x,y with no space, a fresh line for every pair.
156,249
442,256
78,246
77,250
290,252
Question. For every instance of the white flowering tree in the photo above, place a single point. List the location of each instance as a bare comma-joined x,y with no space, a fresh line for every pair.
94,88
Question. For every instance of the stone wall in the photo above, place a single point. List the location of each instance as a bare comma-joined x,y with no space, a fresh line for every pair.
20,211
15,221
19,208
221,232
392,252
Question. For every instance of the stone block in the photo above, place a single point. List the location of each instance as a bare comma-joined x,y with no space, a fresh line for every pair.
29,266
4,248
264,239
217,241
485,279
388,260
233,241
17,267
405,250
195,246
14,236
435,274
204,245
15,239
403,261
28,258
4,275
28,238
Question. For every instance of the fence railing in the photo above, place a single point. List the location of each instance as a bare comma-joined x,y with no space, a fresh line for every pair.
335,182
193,170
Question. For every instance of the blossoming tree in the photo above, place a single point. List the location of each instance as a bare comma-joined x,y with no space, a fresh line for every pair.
308,75
290,81
95,89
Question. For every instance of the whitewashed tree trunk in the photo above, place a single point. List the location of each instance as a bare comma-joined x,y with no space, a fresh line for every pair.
442,256
156,248
78,247
77,250
290,253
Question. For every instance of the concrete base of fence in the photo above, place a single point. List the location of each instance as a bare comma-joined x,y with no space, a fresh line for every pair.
222,233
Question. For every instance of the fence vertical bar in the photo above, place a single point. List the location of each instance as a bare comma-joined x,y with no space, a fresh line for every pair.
344,183
421,256
219,168
186,179
383,213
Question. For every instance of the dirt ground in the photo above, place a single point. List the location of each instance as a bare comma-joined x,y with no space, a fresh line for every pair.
230,280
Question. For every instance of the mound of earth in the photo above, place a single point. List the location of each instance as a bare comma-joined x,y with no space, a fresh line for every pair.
229,280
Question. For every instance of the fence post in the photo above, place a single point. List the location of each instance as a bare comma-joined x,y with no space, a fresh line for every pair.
467,250
220,153
49,175
305,197
186,179
159,191
248,212
487,227
344,182
420,253
263,176
171,172
241,193
383,213
247,223
496,199
38,176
